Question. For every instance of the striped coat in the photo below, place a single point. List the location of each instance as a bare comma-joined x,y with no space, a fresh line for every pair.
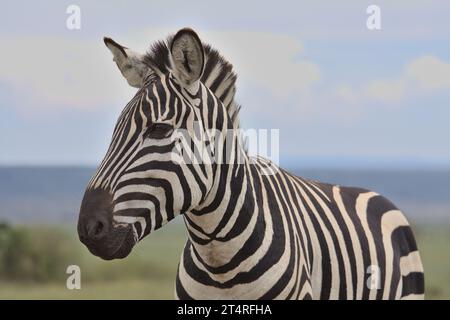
255,230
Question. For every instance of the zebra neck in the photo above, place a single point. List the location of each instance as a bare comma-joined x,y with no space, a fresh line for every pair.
230,228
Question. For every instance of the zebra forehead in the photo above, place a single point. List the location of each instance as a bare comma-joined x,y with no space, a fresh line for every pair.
160,98
218,74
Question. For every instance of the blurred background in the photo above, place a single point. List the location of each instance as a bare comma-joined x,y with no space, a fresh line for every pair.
354,106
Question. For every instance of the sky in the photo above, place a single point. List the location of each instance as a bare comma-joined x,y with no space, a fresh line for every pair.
340,94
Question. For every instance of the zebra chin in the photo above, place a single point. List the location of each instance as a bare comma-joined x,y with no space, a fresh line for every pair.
118,244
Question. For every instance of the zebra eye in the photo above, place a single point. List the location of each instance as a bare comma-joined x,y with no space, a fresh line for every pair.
158,131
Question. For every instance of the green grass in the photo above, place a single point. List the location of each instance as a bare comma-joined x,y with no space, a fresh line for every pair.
433,242
149,272
118,289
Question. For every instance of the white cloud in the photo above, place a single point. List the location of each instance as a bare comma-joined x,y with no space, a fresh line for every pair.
74,73
272,61
386,90
60,73
347,93
426,74
429,73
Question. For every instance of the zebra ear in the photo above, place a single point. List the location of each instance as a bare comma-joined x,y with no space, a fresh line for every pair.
188,56
129,63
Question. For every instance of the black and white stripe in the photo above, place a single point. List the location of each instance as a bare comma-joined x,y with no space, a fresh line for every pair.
251,235
291,238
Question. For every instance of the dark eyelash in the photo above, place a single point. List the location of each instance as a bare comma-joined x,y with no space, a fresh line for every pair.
158,131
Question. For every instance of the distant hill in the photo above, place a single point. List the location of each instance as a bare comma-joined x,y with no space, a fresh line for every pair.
53,194
42,194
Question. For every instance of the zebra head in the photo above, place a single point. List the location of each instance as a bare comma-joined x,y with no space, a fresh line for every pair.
146,179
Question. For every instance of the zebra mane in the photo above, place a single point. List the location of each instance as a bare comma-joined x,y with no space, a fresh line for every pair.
218,74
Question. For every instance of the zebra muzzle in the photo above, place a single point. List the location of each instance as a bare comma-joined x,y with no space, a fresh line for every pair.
96,230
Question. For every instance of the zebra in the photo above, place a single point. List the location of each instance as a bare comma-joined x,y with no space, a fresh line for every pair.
255,231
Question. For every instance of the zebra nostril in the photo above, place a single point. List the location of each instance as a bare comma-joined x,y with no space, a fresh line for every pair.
96,230
95,219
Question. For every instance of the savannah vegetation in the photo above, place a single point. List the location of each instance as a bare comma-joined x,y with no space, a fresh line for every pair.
33,262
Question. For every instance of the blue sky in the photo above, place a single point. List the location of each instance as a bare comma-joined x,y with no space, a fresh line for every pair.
340,94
